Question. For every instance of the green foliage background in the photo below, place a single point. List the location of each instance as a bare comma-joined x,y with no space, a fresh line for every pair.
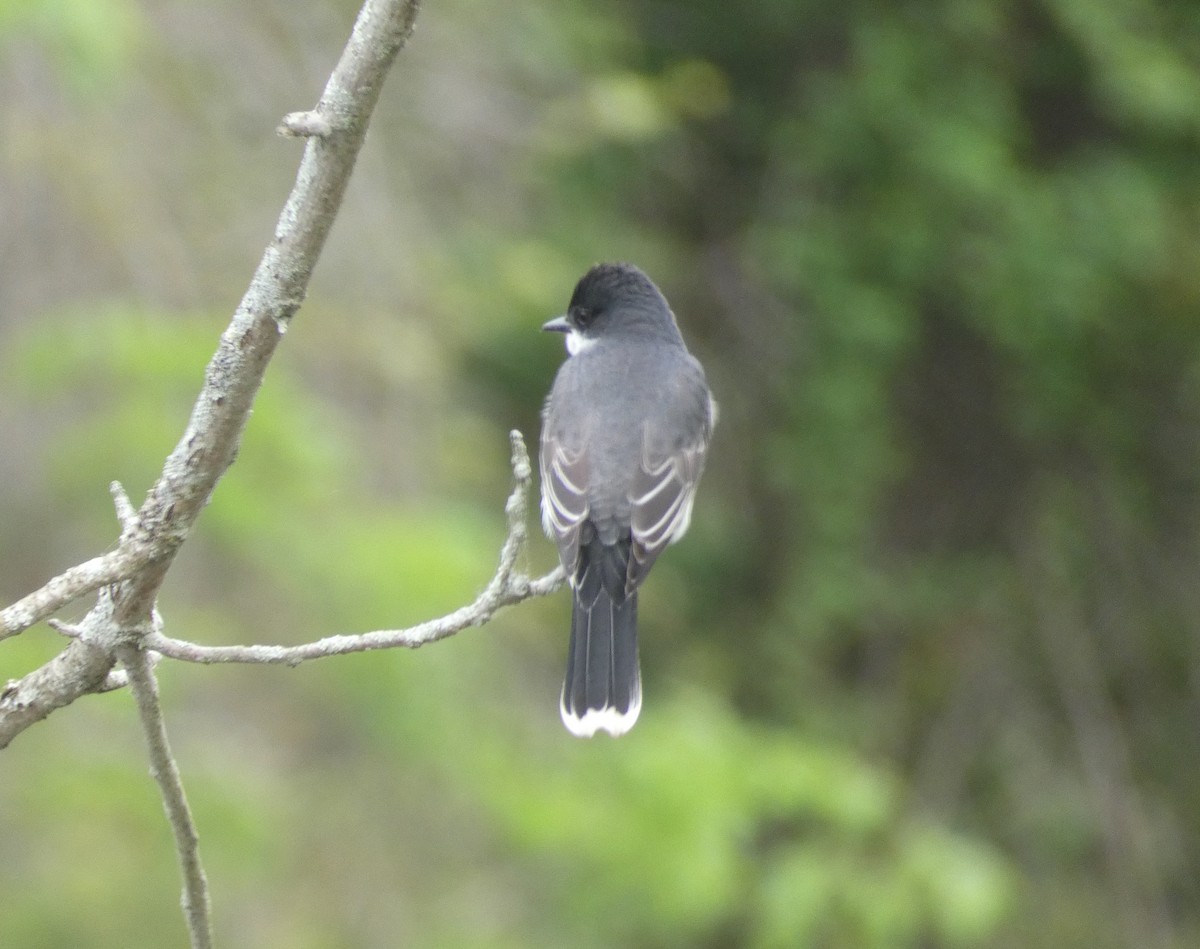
925,672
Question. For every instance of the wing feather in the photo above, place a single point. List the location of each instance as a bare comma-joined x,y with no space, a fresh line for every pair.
564,498
664,489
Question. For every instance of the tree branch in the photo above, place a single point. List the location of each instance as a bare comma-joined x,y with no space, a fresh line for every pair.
195,901
78,669
85,578
151,538
80,580
505,588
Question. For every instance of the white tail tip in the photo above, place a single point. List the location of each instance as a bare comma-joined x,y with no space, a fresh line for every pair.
609,719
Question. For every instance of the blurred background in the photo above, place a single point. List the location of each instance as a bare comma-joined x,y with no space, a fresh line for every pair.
926,671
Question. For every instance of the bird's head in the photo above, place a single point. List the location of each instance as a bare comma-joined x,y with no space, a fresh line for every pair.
615,301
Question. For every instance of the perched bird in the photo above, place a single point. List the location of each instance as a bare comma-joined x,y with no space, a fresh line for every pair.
625,430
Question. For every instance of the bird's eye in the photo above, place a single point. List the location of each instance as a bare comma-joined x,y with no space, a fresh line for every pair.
583,317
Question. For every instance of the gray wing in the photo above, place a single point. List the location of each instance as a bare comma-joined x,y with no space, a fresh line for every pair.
564,496
664,487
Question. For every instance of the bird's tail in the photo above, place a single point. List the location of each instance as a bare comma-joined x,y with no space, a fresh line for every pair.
603,686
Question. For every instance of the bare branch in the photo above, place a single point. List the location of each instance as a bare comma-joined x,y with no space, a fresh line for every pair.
506,588
477,613
134,552
116,679
78,669
70,585
151,538
196,906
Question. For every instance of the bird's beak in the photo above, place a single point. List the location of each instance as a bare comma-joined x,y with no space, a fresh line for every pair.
557,325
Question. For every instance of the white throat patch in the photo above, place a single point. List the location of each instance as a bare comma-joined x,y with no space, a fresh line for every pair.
577,343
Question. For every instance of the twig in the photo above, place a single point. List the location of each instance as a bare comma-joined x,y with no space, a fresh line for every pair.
135,552
195,901
505,588
80,580
126,515
70,630
475,614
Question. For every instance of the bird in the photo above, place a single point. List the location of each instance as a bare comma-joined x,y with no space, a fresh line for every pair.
625,434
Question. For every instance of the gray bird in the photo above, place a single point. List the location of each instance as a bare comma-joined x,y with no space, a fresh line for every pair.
625,431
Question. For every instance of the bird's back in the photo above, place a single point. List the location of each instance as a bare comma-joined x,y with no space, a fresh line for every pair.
663,389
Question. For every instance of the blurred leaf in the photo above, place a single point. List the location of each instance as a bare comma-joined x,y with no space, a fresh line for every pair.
92,41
